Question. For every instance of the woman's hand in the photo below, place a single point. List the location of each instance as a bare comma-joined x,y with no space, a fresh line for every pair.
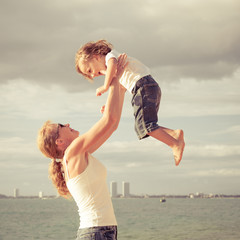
121,64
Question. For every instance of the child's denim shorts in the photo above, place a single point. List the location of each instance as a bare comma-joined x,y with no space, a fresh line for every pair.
97,233
145,101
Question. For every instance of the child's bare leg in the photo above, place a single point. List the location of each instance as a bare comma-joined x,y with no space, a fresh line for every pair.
173,138
174,133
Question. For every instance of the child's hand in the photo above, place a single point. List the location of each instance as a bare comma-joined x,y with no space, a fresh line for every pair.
100,91
102,109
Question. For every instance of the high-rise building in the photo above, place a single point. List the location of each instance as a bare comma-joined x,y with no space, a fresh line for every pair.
40,194
113,189
16,192
125,189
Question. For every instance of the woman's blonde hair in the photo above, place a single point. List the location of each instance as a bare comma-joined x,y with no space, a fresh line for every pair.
47,136
87,51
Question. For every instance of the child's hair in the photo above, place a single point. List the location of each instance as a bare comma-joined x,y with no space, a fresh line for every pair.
87,51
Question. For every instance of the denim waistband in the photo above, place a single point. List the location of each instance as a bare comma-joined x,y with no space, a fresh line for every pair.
99,228
143,81
98,232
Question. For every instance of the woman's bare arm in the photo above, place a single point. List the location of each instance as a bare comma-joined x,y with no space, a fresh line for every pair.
103,129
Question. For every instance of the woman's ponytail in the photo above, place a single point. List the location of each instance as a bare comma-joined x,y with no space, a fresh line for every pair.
56,173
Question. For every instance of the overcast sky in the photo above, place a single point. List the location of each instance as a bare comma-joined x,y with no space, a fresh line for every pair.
192,48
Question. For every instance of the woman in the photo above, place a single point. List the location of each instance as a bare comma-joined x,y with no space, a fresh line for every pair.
75,172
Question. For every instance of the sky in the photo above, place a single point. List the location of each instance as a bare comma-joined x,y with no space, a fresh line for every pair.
192,49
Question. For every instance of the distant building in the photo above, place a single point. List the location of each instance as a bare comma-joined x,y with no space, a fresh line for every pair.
16,192
40,194
191,195
113,189
125,189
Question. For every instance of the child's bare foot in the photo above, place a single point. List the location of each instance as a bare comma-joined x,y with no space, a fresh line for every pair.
178,150
177,133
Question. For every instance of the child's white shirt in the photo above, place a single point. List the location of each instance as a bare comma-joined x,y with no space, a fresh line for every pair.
133,72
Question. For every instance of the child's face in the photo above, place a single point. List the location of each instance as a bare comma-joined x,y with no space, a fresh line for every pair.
93,67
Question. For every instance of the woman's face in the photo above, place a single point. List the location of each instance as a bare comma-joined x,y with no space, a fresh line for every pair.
93,67
66,133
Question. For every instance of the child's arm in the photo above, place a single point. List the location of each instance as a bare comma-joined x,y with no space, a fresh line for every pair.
110,73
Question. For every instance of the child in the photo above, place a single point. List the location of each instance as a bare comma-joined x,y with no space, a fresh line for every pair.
98,58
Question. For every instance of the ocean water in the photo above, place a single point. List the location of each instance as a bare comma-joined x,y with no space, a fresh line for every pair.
140,219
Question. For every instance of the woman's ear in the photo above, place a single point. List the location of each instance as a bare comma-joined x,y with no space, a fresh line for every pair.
59,142
96,56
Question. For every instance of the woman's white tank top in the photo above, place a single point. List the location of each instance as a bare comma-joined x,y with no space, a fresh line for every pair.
89,190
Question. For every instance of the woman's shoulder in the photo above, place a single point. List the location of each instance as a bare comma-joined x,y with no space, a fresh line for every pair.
72,155
76,164
75,148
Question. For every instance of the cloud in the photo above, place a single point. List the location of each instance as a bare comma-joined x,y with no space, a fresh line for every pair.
194,57
217,173
41,39
234,130
16,146
210,151
152,146
22,99
128,146
190,97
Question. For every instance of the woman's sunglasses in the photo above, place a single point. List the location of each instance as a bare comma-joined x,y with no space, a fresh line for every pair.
59,126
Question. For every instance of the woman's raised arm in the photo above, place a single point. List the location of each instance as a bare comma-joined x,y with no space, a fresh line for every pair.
103,129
